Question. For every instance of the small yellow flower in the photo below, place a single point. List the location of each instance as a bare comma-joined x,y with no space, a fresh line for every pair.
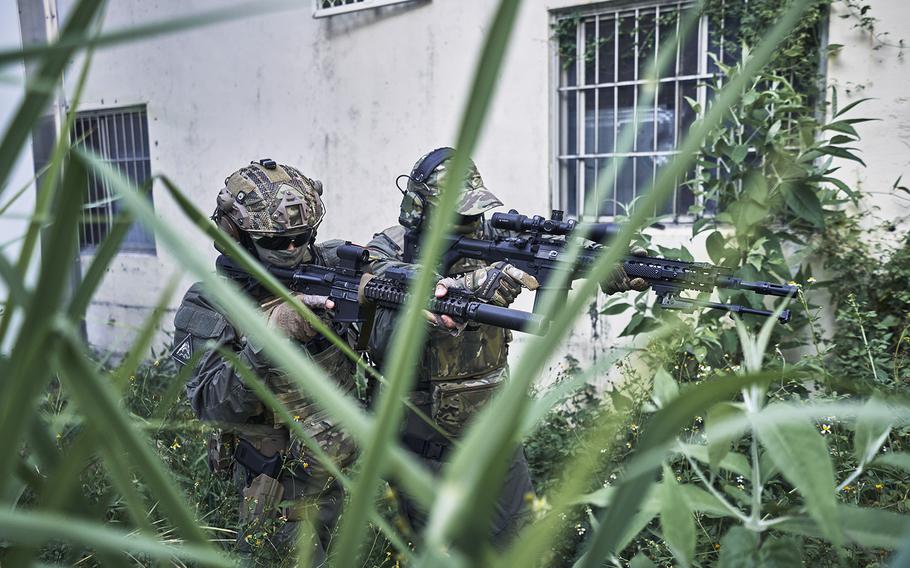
306,465
176,444
847,489
132,378
716,546
296,418
879,486
157,362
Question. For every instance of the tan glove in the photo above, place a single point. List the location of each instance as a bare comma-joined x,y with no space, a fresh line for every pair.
618,281
294,325
500,283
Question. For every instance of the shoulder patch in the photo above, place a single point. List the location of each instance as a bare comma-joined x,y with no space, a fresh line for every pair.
183,351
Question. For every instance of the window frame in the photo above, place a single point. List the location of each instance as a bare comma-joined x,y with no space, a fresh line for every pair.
146,247
356,6
558,130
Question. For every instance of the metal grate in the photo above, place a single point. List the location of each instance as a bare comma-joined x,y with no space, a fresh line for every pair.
326,8
598,92
120,137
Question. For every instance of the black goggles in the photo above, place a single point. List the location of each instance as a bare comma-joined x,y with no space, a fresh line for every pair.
283,242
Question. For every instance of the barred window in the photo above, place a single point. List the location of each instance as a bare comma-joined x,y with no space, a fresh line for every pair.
325,8
120,138
603,57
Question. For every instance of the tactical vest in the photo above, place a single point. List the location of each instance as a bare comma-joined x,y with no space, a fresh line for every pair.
460,373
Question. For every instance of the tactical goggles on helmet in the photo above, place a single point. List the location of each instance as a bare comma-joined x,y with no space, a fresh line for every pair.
282,242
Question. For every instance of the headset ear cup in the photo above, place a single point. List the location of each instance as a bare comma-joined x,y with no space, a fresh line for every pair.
412,210
317,185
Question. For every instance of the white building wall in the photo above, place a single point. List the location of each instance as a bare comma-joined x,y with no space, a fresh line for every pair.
355,99
875,66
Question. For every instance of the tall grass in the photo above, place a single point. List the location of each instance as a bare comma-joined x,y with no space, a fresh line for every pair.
47,349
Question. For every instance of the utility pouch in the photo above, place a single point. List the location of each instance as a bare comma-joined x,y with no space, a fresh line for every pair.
261,499
454,403
221,453
257,464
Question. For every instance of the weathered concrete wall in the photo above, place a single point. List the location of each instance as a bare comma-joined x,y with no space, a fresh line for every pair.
873,65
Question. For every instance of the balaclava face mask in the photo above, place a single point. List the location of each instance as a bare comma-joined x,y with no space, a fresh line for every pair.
284,258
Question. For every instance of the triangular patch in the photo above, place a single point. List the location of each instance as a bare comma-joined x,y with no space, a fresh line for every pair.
183,351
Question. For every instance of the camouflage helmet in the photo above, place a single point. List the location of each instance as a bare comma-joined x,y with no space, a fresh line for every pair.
266,198
475,198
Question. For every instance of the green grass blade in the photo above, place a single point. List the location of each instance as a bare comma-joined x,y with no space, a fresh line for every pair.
409,337
98,402
17,295
48,182
104,255
27,369
35,102
35,529
139,350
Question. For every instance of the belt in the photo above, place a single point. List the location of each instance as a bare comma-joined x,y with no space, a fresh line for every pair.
430,449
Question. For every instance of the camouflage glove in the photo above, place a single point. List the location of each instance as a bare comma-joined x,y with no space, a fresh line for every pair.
618,281
499,284
294,325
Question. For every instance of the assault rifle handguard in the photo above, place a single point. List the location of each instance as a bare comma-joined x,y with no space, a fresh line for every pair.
538,247
342,284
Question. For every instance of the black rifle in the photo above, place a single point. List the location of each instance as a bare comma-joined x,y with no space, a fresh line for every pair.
342,284
539,248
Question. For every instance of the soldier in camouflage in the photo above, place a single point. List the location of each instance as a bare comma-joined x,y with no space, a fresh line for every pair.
462,365
273,211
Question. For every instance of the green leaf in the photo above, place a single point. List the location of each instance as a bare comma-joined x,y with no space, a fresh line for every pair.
720,432
865,526
738,549
665,388
900,460
614,309
841,186
746,213
839,152
847,108
676,521
779,552
871,432
641,561
841,126
732,461
801,454
716,244
803,202
739,154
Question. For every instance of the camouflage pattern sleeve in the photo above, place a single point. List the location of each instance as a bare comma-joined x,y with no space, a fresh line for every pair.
385,252
215,391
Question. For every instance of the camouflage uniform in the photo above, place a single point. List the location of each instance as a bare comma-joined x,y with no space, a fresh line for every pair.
457,373
271,507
